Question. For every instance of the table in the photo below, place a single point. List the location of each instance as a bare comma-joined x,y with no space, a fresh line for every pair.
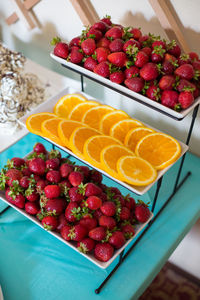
34,265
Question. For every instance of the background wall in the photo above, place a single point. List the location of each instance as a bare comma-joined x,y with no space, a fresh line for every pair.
58,18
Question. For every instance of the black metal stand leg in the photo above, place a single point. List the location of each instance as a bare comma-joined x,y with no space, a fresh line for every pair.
82,83
194,115
53,146
156,193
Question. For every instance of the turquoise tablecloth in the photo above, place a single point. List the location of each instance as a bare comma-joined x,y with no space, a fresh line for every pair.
34,265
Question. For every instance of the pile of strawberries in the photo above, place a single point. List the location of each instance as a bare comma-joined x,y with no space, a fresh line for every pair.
143,63
73,201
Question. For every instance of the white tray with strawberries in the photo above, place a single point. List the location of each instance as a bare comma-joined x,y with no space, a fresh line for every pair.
92,218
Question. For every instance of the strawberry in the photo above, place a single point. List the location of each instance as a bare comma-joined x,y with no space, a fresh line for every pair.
142,212
169,98
153,92
86,245
52,164
125,213
50,222
136,33
167,82
94,33
149,71
88,222
95,176
12,175
37,166
102,26
88,46
69,212
193,56
62,221
32,208
129,202
31,195
61,49
119,198
145,40
98,233
104,42
24,182
107,20
93,202
183,84
65,231
186,99
101,54
174,49
117,77
26,172
102,69
196,65
114,33
53,176
17,162
147,50
76,56
116,45
128,231
77,233
39,148
159,43
76,194
18,199
75,178
118,59
167,67
52,191
184,59
75,42
141,59
131,46
90,63
65,170
103,252
40,185
117,240
114,190
170,58
131,72
185,71
107,222
108,208
135,84
92,190
157,54
55,206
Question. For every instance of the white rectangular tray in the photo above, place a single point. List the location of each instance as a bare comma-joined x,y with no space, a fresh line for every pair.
91,257
127,92
48,105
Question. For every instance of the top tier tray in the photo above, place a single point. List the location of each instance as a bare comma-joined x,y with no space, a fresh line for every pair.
127,92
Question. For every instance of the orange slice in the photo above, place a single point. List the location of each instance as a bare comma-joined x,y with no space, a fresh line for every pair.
120,129
136,171
34,122
78,138
109,157
65,104
65,129
160,149
93,147
50,130
80,109
110,119
134,135
93,116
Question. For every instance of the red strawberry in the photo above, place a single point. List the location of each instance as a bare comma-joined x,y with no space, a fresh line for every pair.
65,170
136,33
119,198
50,222
169,57
32,208
17,162
54,154
12,175
102,69
101,54
115,190
159,43
92,190
131,72
193,56
52,191
37,166
118,59
55,206
167,82
107,222
31,195
186,99
53,176
153,92
26,172
76,194
196,65
62,221
157,54
125,213
142,212
39,148
65,231
75,178
77,233
131,46
97,34
98,233
75,42
141,59
94,202
61,49
86,245
102,26
183,84
135,84
69,212
129,202
97,213
128,231
19,199
147,50
145,40
95,176
107,20
116,45
174,49
149,71
88,46
108,208
90,63
185,71
184,59
40,185
88,222
117,77
52,164
169,98
104,42
114,33
167,67
76,56
24,182
103,252
117,239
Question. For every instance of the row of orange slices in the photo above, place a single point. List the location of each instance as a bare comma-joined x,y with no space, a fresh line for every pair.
107,138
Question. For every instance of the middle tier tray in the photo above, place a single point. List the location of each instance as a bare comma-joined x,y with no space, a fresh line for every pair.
48,105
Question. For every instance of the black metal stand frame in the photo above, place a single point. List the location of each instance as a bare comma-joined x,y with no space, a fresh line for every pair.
176,188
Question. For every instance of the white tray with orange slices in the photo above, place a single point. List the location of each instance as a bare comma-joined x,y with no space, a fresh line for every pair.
129,152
